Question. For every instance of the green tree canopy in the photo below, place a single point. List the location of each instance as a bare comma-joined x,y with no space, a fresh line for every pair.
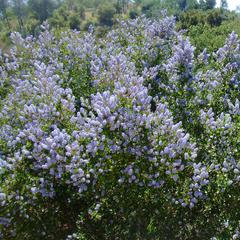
42,8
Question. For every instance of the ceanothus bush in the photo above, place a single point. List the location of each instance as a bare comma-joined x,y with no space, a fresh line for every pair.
131,136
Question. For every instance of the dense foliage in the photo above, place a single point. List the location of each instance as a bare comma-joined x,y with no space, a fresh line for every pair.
208,29
132,136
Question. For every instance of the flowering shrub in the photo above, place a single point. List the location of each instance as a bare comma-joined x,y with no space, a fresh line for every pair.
131,136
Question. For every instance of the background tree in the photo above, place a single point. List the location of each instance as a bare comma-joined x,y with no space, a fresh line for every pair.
106,14
3,11
138,2
182,4
42,8
19,10
238,9
74,22
192,4
147,8
224,4
133,13
210,4
215,18
82,12
207,4
171,5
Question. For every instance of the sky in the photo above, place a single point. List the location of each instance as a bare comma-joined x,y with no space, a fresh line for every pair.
232,4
